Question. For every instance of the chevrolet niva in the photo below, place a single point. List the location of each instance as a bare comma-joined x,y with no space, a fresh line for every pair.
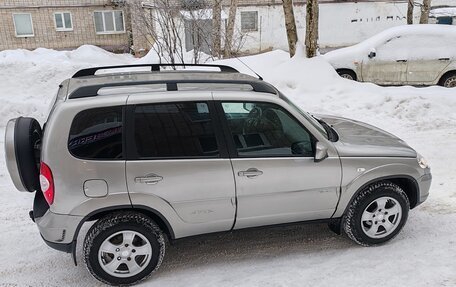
157,154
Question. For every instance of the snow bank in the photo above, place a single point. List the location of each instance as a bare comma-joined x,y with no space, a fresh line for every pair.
295,256
189,57
29,79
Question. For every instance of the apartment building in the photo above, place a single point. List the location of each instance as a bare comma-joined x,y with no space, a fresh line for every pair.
63,24
260,25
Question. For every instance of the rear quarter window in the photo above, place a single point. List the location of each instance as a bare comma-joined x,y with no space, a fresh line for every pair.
97,134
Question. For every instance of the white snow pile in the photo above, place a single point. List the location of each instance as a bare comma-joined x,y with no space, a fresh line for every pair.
443,12
29,79
423,254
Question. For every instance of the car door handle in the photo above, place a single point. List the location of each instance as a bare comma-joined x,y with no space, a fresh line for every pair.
401,61
444,59
251,172
149,179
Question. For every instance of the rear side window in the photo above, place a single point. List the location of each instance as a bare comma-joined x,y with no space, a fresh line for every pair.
174,130
97,134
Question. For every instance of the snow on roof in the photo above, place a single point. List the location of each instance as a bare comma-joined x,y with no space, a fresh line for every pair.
443,12
414,33
418,29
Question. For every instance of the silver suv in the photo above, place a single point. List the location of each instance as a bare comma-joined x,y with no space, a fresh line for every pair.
157,154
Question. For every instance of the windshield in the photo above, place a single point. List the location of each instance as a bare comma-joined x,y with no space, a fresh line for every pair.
306,115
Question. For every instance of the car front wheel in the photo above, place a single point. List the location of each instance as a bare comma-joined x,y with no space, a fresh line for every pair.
347,74
377,214
123,248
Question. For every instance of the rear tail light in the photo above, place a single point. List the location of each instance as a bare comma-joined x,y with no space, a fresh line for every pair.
47,183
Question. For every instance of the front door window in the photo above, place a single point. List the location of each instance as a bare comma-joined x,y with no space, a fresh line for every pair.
266,130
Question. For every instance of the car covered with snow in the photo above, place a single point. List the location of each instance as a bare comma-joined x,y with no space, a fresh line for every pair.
147,156
404,55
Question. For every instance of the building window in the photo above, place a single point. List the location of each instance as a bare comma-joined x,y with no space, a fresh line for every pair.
63,21
23,24
109,22
249,21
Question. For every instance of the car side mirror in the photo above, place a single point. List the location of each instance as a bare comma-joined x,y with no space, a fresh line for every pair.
321,152
372,54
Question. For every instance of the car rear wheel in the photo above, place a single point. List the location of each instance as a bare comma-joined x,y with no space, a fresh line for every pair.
449,80
377,214
123,248
22,151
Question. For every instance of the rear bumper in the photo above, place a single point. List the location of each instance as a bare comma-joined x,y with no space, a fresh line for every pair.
64,247
58,231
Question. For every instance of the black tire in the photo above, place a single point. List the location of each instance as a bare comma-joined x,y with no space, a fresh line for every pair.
448,80
352,223
347,74
111,224
27,146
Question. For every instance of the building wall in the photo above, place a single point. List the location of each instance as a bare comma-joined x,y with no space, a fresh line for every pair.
45,34
340,24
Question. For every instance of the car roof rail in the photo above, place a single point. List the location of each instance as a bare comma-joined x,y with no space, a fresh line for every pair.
153,68
172,85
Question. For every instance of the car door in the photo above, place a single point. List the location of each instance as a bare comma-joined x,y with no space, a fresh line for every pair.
388,66
176,156
277,180
430,55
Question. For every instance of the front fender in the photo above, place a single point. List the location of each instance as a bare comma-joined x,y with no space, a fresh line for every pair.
357,176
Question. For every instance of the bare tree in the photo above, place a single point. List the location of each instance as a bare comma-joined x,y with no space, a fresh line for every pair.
230,29
171,28
311,28
425,9
198,26
160,25
216,28
290,25
410,12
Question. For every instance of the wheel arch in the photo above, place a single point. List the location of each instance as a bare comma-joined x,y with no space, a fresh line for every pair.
446,74
351,71
155,215
406,182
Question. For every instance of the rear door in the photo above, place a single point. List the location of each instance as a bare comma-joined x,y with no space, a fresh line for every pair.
430,55
175,154
277,180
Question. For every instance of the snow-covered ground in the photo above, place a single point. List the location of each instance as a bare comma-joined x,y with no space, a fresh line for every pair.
424,253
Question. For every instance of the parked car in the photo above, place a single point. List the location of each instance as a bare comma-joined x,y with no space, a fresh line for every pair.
404,55
149,155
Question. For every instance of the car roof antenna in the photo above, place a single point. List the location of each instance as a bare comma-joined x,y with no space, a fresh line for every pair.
259,77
